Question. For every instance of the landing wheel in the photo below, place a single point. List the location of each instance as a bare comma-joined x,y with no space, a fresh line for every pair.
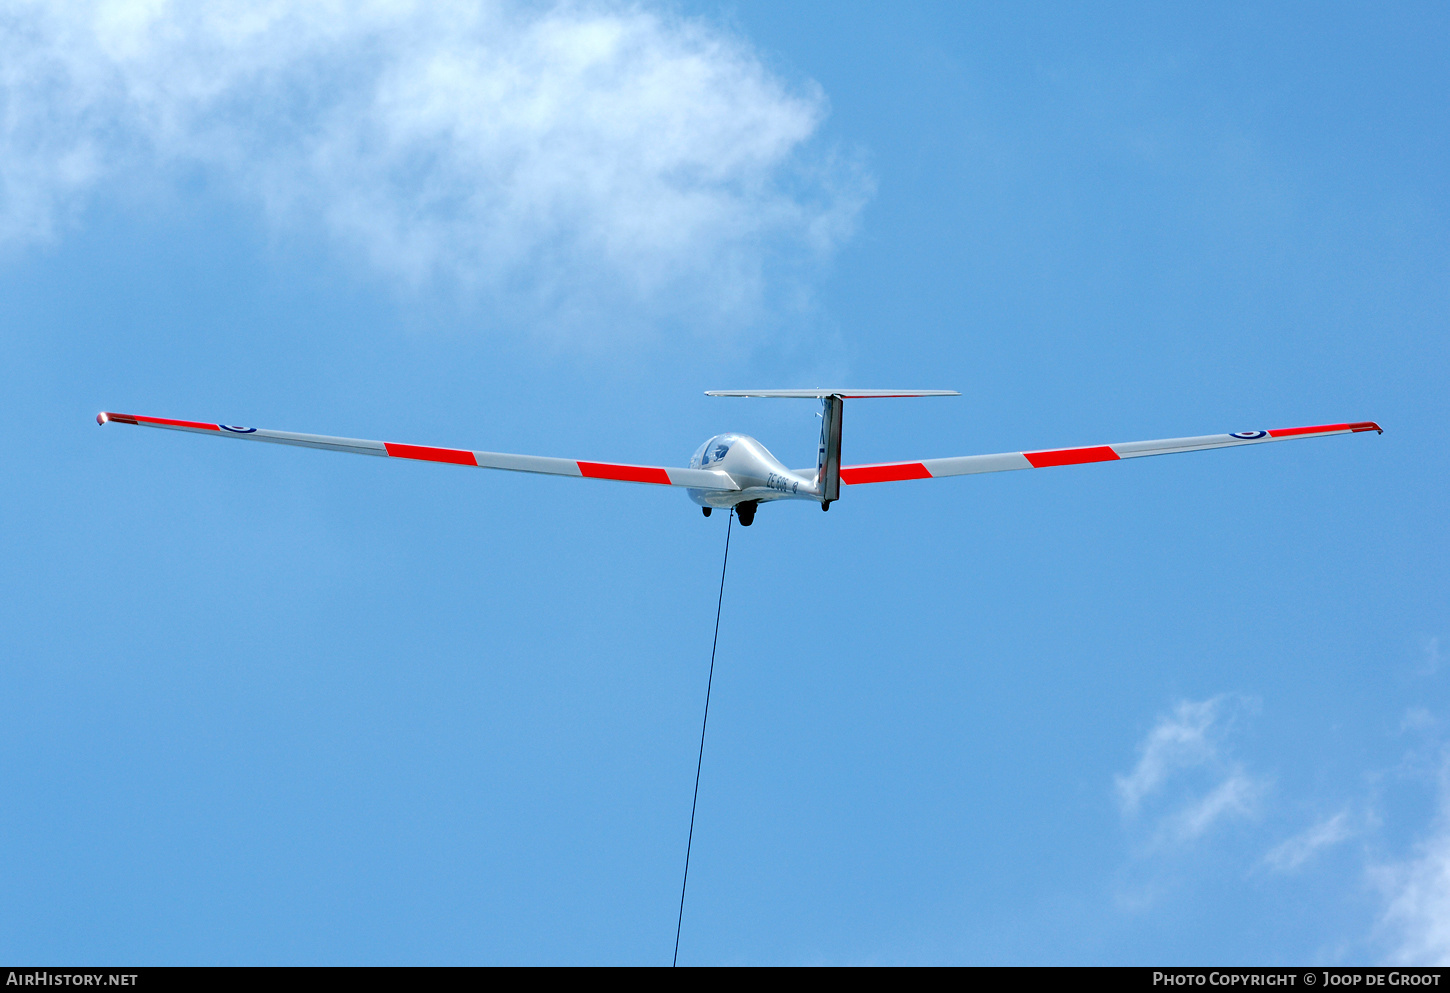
705,511
746,512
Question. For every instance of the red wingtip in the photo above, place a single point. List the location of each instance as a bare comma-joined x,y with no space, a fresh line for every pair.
101,418
1366,426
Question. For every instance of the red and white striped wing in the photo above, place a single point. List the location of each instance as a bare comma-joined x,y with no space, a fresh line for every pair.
934,468
700,479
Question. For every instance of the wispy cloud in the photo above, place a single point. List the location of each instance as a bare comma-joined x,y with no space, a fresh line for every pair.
1235,796
1415,922
570,154
1177,741
1430,656
1187,783
1294,852
1184,751
1418,720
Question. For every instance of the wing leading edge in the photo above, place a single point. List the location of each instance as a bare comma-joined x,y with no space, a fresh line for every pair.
935,468
699,479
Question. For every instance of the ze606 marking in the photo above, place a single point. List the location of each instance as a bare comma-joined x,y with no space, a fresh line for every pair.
784,484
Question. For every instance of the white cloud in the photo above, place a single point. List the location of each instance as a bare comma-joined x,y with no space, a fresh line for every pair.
1293,852
1235,796
567,154
1416,917
1177,741
1419,720
1181,766
1430,648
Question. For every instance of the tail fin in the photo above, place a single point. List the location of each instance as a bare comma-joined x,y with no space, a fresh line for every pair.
828,457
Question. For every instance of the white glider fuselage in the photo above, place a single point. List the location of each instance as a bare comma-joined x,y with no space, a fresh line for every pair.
760,475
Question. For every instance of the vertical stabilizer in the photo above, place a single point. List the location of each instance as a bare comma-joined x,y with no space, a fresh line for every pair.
828,457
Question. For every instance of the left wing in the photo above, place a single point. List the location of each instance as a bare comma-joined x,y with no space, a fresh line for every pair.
699,479
935,468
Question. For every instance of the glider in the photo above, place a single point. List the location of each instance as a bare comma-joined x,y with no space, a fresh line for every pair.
735,470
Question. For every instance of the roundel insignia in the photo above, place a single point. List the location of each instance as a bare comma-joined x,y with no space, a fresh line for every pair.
1249,435
235,429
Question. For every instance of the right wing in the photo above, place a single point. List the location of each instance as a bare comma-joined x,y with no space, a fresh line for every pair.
699,479
934,468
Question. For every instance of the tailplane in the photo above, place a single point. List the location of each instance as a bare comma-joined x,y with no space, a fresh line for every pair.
843,394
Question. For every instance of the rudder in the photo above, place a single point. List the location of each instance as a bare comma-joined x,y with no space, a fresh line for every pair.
828,457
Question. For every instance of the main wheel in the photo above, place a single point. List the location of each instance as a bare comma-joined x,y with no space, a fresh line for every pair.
746,512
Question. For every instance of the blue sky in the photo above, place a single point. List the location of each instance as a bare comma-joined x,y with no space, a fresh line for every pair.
277,706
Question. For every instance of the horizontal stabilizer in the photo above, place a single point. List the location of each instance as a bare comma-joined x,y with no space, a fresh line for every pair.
843,394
